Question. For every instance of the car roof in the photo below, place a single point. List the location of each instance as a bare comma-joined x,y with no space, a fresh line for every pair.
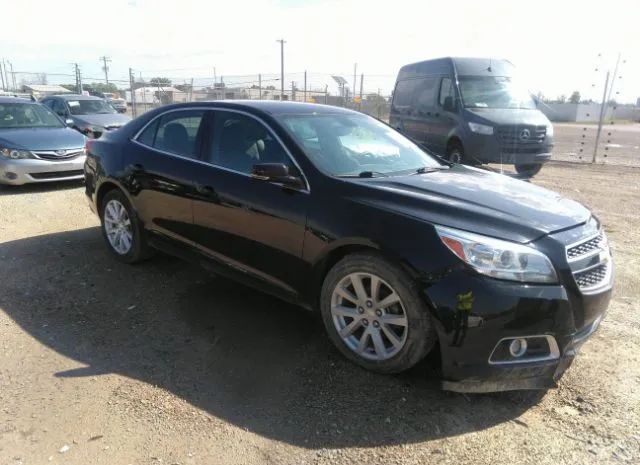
273,107
76,97
15,100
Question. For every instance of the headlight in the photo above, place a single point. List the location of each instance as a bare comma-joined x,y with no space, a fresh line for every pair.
497,258
550,130
481,128
15,153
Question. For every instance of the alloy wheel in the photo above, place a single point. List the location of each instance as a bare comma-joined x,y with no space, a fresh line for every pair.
369,316
117,225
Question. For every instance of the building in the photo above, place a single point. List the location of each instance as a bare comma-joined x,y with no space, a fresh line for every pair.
42,90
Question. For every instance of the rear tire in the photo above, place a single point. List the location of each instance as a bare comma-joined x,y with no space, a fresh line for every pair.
529,169
374,315
122,231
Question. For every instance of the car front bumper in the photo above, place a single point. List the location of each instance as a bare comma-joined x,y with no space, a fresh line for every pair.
499,310
489,149
24,171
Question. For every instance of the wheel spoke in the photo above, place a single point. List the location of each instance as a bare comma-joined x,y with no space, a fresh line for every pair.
397,343
375,288
346,295
341,310
388,301
364,339
350,328
390,319
378,344
356,281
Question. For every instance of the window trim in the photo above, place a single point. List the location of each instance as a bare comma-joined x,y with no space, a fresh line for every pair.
134,139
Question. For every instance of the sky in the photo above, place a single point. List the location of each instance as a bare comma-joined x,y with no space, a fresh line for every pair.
557,46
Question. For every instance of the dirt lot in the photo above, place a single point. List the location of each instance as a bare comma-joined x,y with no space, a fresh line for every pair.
619,143
102,363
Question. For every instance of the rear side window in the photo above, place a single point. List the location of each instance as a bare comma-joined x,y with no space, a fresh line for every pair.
446,90
403,94
177,132
425,92
148,136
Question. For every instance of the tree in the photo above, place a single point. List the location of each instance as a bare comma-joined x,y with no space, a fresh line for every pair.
101,87
575,97
160,81
561,99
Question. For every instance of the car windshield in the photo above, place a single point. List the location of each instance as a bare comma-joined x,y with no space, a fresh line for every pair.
27,115
494,92
350,145
89,107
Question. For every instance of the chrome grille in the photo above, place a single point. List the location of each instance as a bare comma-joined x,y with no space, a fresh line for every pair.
590,262
54,156
592,277
513,135
584,248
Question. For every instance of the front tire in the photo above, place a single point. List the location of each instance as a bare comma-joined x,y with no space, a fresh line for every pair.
122,231
455,153
374,315
529,170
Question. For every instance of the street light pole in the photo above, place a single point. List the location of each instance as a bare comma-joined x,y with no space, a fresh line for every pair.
282,42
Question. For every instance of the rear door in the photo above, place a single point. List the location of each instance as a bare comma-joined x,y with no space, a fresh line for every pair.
161,172
252,225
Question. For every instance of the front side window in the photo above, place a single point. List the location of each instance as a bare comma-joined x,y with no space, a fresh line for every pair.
90,107
240,142
27,115
59,107
446,90
349,145
494,92
175,132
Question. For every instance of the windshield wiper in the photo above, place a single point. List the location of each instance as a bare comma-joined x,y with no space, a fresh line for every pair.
430,169
365,174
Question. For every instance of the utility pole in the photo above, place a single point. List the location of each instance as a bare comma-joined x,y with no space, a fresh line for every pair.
282,42
360,103
355,70
191,91
133,92
603,107
613,79
326,92
215,78
259,86
13,75
293,91
105,68
305,86
76,69
2,73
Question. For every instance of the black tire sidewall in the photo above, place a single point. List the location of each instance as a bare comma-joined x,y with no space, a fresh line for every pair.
453,148
138,250
530,169
421,335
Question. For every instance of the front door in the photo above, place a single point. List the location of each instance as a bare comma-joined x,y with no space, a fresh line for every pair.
252,225
447,119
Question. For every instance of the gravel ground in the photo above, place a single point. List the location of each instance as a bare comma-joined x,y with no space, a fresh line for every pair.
103,363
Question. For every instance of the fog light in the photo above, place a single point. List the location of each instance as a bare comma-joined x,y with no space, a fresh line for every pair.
10,176
518,347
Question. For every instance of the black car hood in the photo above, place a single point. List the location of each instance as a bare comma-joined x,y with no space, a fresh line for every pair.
477,200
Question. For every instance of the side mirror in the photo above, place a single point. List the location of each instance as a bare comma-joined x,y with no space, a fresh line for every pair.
449,104
276,172
68,122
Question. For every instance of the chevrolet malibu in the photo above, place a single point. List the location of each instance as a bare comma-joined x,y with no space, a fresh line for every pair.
402,254
36,145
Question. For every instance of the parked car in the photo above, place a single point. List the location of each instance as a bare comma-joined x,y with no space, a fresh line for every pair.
90,115
36,145
112,99
401,253
473,111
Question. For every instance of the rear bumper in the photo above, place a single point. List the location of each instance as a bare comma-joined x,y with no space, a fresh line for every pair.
18,172
504,310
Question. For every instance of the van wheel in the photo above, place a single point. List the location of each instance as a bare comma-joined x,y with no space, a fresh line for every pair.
455,153
374,314
529,169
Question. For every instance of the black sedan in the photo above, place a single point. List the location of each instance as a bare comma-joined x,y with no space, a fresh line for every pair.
401,253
